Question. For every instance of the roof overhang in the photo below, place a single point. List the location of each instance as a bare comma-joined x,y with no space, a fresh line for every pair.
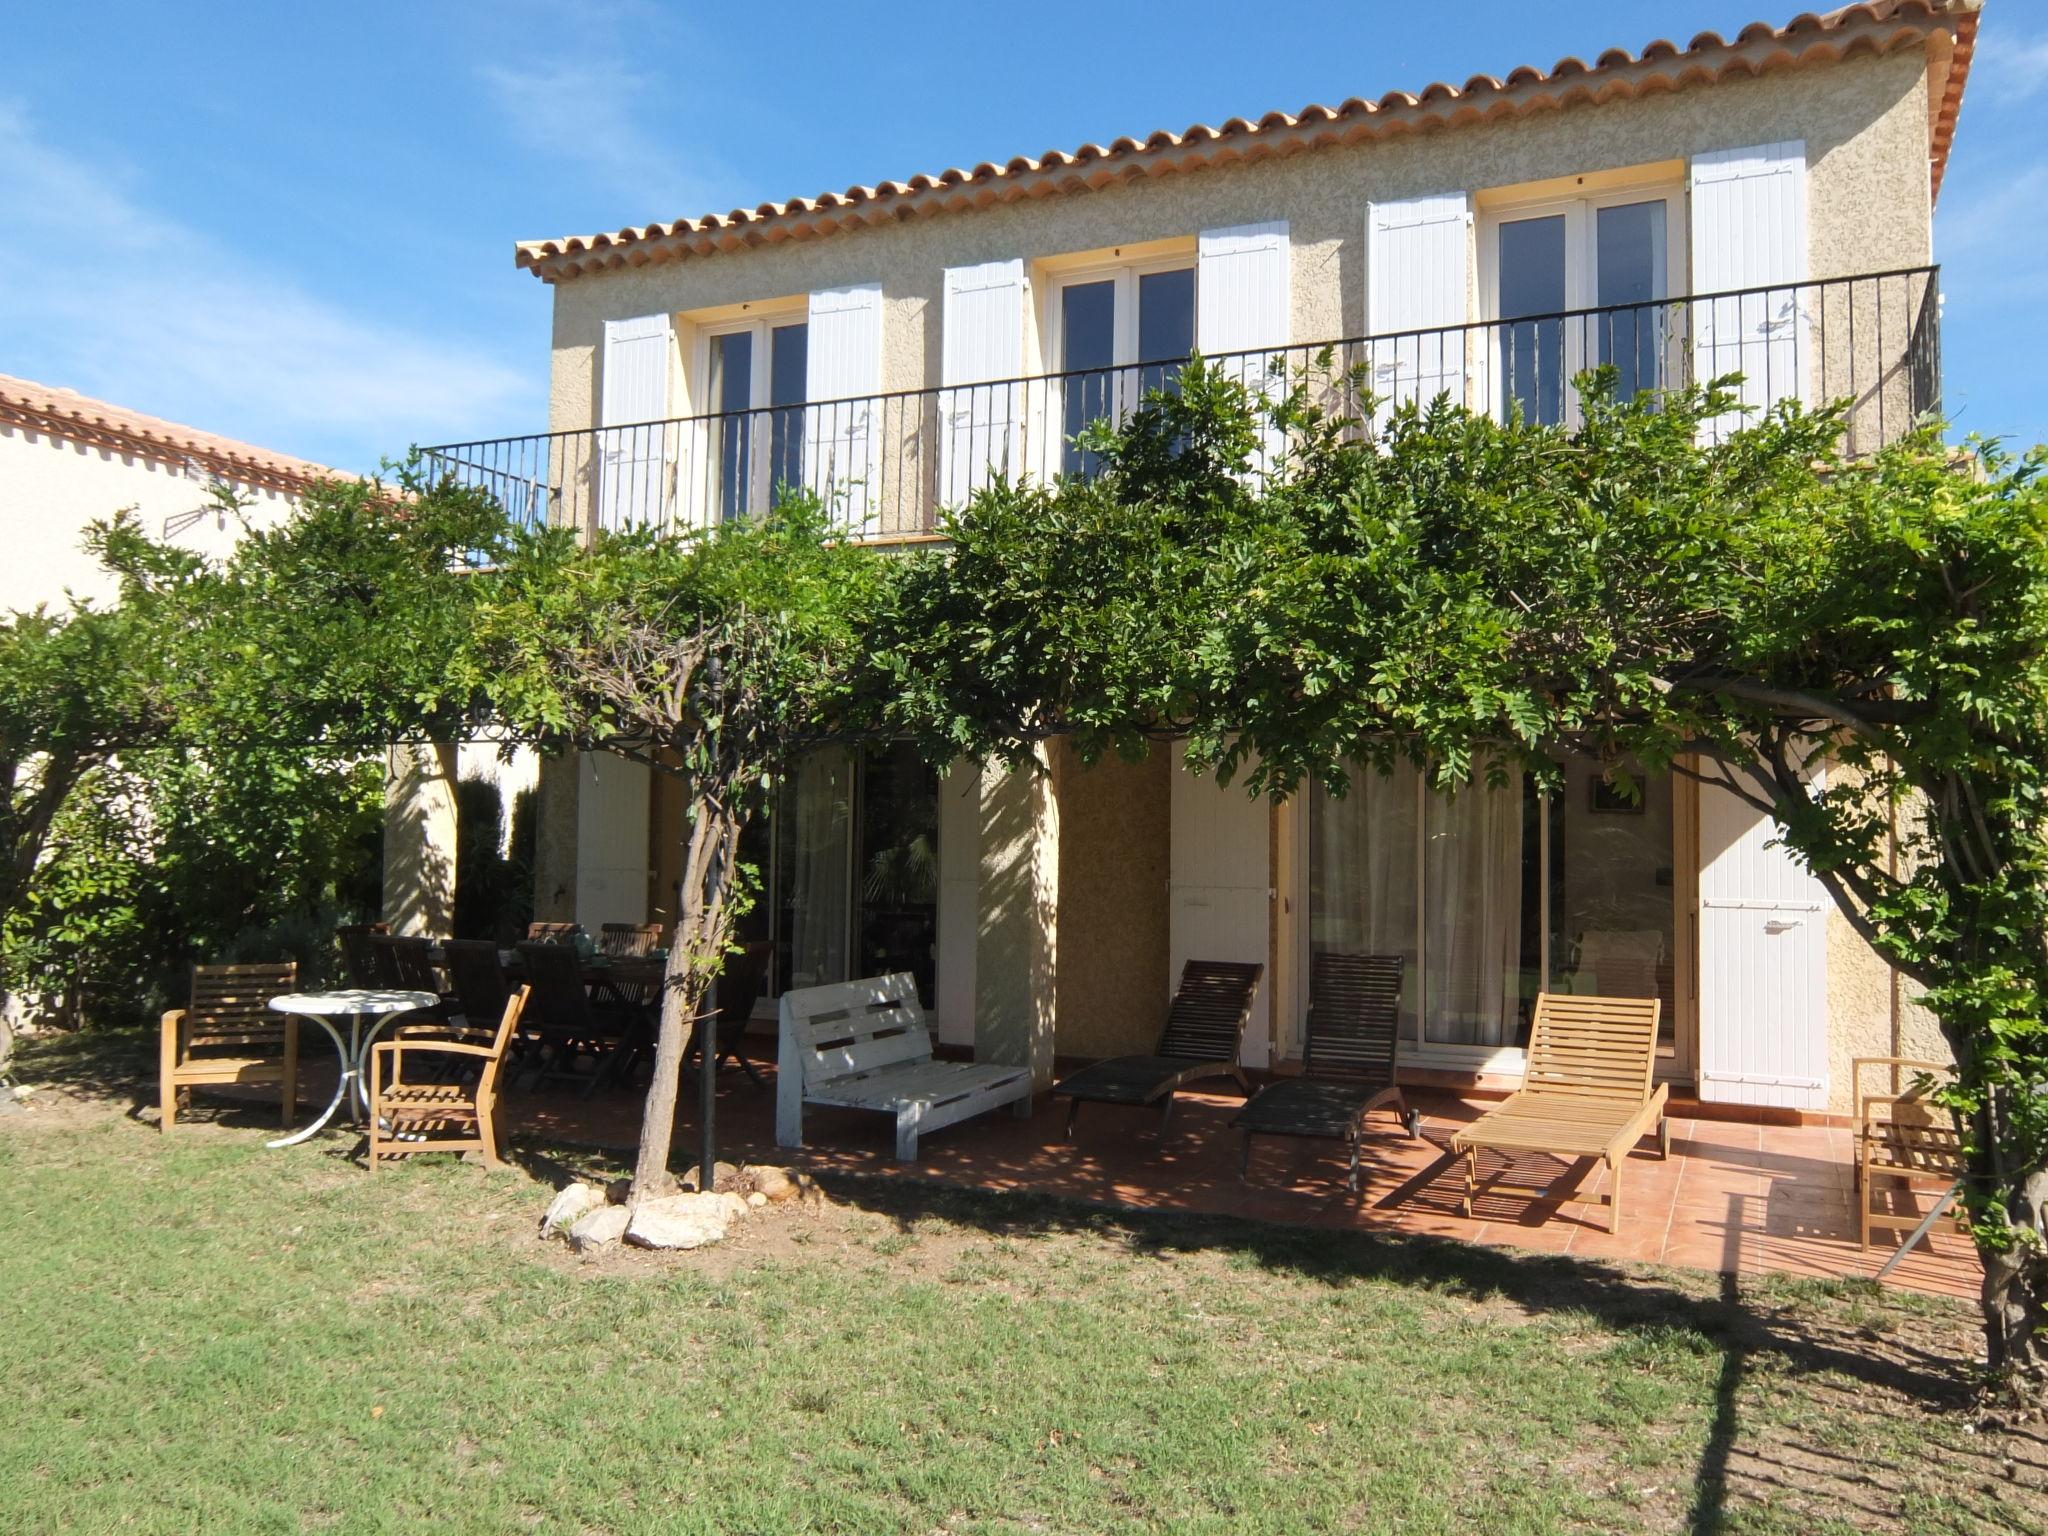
1944,29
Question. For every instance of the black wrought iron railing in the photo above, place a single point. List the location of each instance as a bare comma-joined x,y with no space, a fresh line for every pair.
888,463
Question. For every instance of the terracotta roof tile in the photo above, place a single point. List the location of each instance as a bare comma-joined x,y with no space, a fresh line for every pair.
1879,26
79,418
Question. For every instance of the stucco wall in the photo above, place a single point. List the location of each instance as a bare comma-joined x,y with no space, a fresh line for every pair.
1863,121
50,489
1113,914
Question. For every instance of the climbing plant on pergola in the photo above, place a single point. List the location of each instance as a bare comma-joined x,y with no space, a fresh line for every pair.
1430,585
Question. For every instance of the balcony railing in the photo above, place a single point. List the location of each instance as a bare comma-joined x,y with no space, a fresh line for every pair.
887,463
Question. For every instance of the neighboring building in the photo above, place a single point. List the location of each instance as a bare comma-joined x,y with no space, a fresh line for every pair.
1762,203
67,461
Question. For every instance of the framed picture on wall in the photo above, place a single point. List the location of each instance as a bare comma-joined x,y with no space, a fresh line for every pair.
1604,799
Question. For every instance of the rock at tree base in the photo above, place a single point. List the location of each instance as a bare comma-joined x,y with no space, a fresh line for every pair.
598,1228
569,1207
684,1221
723,1177
779,1185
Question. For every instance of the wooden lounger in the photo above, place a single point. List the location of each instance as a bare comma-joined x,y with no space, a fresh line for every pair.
864,1045
1204,1034
1587,1092
1349,1063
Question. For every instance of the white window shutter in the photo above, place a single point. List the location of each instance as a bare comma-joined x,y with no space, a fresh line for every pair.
981,344
635,485
1748,221
842,377
1417,297
1244,306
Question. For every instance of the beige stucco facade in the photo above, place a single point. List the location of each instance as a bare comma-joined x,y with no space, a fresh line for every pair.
1073,922
1863,121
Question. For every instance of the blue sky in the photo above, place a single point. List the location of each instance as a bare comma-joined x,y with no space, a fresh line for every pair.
294,224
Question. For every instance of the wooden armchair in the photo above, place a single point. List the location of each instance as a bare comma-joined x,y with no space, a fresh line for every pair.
229,1034
439,1116
1901,1133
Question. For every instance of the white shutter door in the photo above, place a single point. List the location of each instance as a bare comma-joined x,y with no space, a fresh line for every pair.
1763,958
611,840
1748,221
959,901
1416,295
981,344
634,483
1218,887
843,374
1243,305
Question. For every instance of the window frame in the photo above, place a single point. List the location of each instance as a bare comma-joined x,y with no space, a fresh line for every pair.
761,322
1580,208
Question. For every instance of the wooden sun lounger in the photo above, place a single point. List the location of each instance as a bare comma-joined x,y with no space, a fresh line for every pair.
1203,1037
1587,1093
864,1045
1348,1065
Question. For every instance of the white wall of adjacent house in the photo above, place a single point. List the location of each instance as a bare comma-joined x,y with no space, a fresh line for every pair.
52,488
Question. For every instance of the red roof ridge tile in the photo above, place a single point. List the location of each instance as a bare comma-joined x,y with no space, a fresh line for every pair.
59,412
1569,81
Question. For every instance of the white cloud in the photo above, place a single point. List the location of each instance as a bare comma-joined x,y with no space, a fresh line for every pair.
579,114
1987,236
585,104
2014,69
103,293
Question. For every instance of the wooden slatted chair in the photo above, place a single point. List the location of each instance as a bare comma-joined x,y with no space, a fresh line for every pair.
739,987
357,964
1587,1092
552,933
572,1025
1903,1135
230,1034
1348,1064
633,941
384,962
459,1116
1203,1037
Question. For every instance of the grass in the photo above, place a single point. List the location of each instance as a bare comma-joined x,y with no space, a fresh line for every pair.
197,1333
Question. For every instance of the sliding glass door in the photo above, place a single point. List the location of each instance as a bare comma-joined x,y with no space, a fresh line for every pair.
1492,895
847,871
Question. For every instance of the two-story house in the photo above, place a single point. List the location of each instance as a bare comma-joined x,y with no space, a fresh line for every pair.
1761,203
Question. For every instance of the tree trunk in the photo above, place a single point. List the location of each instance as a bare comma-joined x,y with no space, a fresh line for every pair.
694,960
2015,1291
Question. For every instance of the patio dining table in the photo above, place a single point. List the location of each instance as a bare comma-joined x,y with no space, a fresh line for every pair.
374,1006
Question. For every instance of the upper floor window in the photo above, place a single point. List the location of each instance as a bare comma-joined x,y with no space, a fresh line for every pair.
1117,332
1575,283
754,386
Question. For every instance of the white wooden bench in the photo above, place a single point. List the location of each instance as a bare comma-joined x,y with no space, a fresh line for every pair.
864,1045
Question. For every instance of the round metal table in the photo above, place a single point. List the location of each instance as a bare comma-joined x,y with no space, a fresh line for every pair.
358,1005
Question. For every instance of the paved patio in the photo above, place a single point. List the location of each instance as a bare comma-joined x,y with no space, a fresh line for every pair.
1734,1197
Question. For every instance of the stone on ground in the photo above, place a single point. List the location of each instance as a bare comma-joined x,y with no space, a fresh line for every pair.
568,1206
684,1221
723,1177
598,1228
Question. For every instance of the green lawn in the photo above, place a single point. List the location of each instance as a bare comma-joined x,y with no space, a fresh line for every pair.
197,1334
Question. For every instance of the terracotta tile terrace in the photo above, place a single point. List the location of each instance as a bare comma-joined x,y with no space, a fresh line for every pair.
1735,1196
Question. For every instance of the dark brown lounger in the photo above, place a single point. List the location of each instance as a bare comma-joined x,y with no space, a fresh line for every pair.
1203,1035
1348,1065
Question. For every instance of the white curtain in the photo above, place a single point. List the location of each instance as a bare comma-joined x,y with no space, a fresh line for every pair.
1473,872
1362,875
818,824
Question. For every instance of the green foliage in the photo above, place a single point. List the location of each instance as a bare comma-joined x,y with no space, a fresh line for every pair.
1430,584
184,772
162,857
